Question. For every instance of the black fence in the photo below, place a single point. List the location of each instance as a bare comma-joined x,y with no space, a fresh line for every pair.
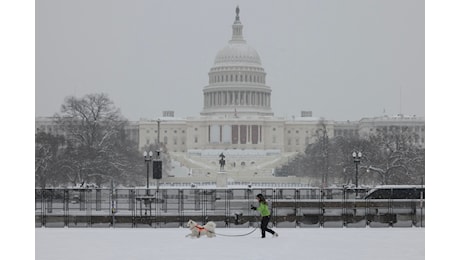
296,207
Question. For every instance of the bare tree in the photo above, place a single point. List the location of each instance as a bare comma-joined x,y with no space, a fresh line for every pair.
47,158
397,159
388,158
96,148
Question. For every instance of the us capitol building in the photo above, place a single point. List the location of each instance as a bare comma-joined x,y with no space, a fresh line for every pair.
238,122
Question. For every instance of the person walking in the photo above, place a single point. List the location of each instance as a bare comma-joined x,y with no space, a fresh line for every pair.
265,213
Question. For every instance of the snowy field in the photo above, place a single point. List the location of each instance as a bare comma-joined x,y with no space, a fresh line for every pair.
171,244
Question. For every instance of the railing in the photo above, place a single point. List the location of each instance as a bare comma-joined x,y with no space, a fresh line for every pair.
173,207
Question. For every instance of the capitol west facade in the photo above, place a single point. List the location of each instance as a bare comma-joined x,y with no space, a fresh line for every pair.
237,120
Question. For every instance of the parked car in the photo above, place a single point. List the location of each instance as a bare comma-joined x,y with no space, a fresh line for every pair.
397,192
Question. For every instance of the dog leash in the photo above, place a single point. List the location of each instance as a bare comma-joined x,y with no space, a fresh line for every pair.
239,235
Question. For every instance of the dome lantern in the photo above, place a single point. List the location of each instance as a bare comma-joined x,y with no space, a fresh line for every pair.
237,28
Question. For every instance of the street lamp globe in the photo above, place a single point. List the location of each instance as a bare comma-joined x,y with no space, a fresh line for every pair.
357,155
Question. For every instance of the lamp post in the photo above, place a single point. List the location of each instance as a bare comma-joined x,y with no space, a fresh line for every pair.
158,132
147,158
356,159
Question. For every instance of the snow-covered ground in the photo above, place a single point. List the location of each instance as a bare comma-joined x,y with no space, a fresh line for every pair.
171,244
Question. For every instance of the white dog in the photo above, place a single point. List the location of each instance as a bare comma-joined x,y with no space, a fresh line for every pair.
197,230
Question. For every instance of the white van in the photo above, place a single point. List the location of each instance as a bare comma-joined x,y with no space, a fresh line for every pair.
397,192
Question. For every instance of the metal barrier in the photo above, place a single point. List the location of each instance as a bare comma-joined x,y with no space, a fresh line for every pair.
173,207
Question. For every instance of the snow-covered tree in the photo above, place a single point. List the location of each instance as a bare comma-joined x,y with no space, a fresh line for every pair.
388,158
397,159
97,150
47,158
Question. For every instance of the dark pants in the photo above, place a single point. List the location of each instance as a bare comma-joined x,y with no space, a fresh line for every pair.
264,224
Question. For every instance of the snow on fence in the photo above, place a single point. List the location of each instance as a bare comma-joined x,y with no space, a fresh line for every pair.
228,207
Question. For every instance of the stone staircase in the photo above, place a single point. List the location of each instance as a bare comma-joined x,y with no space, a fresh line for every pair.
238,163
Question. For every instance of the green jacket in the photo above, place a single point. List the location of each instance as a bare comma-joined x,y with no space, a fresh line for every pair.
263,209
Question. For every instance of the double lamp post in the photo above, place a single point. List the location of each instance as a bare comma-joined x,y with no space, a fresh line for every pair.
156,167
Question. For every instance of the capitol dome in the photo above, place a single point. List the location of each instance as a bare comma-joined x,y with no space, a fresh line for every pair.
237,80
237,52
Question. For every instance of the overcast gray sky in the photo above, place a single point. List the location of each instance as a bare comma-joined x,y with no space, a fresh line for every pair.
343,60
